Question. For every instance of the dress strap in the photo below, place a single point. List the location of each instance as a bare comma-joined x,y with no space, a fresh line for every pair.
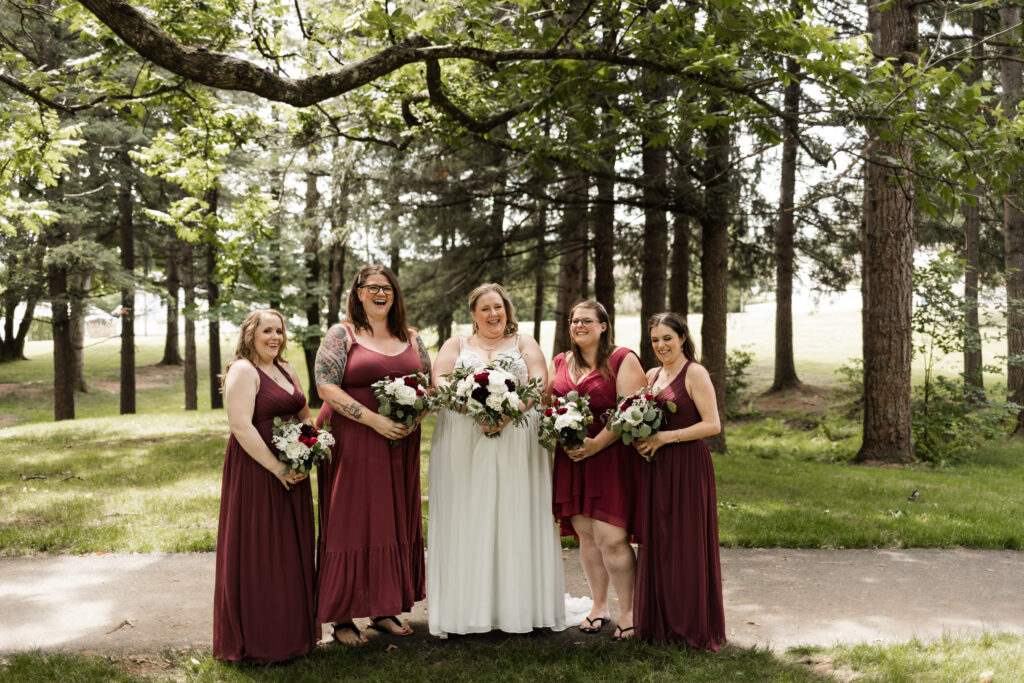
462,343
517,341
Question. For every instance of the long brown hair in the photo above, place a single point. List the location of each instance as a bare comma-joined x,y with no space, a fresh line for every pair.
246,347
511,324
678,325
604,344
396,315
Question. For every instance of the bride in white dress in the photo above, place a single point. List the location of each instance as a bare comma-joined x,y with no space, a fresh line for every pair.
493,556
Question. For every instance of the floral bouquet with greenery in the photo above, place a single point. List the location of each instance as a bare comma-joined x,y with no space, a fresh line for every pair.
565,421
638,416
489,394
301,446
403,399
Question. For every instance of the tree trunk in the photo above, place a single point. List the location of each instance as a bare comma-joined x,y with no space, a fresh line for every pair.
888,262
714,264
603,216
188,271
974,382
653,283
173,258
785,365
496,221
1010,70
77,311
679,259
573,239
312,255
63,350
13,344
212,299
126,233
540,268
337,283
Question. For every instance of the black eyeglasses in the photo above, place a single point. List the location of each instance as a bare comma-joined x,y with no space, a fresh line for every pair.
377,289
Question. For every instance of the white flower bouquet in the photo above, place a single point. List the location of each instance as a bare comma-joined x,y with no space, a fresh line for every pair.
490,394
301,446
638,416
565,421
403,399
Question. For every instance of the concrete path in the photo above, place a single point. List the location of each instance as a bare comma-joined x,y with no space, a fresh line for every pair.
774,598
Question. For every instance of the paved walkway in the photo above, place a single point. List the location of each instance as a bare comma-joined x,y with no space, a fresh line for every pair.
774,598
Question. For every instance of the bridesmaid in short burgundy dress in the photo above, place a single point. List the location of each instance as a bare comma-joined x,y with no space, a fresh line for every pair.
263,605
596,489
679,575
370,551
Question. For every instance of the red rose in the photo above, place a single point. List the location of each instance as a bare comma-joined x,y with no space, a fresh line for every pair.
549,412
562,411
481,378
411,382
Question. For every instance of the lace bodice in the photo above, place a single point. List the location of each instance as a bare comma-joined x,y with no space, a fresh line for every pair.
469,358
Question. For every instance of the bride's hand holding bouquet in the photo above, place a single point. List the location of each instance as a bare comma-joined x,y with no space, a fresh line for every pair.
491,395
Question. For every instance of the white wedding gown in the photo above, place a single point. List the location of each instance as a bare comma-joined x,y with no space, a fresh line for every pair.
493,556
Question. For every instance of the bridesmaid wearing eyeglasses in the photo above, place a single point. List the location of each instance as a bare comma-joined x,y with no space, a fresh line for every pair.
596,486
370,551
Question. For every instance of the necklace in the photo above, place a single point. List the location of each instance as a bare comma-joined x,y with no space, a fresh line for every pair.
480,343
666,377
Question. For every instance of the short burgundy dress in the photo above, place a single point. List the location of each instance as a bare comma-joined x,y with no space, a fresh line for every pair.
263,595
371,522
605,486
678,596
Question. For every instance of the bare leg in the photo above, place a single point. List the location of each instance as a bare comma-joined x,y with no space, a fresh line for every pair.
593,566
619,563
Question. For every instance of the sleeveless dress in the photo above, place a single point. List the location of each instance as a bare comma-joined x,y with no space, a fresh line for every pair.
371,540
493,559
678,596
263,596
606,486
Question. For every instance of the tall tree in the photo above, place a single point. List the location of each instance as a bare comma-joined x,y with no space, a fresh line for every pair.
1010,71
311,248
191,370
888,251
212,301
785,365
572,244
681,209
974,381
172,265
126,238
714,260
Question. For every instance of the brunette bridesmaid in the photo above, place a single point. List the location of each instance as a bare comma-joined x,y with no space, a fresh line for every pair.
679,575
371,542
263,600
596,487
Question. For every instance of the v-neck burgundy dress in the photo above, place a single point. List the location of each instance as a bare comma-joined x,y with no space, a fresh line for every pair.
605,486
263,596
678,596
371,521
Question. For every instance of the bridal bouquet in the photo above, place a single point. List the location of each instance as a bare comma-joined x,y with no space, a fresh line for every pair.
301,446
565,421
638,416
489,394
403,399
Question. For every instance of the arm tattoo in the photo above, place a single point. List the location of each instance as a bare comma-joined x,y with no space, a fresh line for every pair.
331,357
421,349
353,409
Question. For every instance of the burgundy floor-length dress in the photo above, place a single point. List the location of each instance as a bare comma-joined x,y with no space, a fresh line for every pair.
605,486
263,597
371,528
678,597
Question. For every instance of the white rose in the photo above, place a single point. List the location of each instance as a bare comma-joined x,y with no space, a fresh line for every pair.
405,395
465,386
512,398
568,420
496,382
391,388
496,402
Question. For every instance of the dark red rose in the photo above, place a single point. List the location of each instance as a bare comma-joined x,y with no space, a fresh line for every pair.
481,377
411,382
562,411
480,394
307,430
510,384
549,412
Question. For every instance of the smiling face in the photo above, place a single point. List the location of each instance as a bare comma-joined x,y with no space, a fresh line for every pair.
269,338
667,344
376,304
489,316
586,327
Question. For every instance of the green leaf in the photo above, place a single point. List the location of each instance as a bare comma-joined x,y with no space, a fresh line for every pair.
645,430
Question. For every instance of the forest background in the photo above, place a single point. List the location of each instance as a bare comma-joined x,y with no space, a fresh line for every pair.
651,155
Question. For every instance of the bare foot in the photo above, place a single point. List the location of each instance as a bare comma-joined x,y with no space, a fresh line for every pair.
347,633
390,625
